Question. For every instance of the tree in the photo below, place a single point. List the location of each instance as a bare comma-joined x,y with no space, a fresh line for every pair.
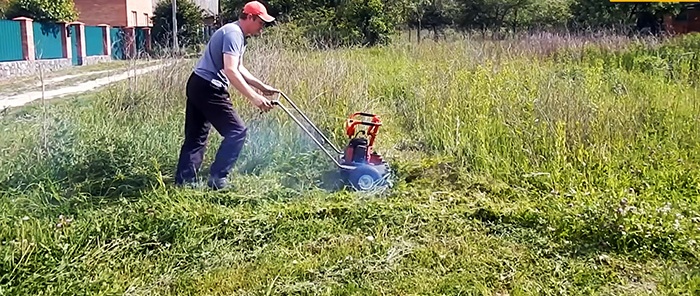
190,23
368,18
43,10
434,15
330,23
3,6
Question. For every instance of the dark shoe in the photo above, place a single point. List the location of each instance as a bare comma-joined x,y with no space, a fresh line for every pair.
190,182
217,183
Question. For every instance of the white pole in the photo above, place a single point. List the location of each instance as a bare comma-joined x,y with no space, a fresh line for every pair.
176,46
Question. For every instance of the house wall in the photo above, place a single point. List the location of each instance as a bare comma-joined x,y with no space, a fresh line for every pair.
95,12
139,13
116,13
211,7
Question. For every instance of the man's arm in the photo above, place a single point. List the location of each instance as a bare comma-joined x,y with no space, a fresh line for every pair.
252,80
236,77
232,49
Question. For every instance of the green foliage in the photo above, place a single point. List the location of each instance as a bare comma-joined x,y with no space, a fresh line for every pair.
369,22
355,22
3,7
433,14
331,23
43,10
189,23
545,14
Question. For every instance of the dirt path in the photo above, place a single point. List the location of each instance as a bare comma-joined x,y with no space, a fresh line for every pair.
27,97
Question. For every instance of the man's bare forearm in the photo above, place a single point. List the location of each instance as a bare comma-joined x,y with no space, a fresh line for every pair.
239,82
252,80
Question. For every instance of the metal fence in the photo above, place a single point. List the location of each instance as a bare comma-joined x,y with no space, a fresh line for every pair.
140,39
94,39
116,35
54,40
11,44
48,42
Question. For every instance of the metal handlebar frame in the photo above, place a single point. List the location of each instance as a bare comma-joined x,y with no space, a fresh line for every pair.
325,139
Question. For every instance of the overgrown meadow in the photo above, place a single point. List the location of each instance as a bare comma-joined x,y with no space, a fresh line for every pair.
540,165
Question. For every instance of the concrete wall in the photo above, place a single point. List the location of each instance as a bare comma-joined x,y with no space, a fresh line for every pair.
96,60
8,69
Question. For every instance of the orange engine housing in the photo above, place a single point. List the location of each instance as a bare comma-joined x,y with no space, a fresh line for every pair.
362,133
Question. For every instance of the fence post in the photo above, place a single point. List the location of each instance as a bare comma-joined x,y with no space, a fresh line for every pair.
80,31
65,41
27,27
106,40
130,42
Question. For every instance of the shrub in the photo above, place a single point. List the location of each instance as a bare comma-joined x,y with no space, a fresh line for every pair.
42,10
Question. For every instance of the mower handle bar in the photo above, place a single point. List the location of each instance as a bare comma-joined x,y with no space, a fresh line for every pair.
364,114
328,153
367,123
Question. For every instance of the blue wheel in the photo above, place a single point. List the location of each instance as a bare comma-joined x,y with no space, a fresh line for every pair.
365,178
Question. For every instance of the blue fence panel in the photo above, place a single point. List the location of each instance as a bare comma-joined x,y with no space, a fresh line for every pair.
116,35
48,42
11,44
140,40
94,38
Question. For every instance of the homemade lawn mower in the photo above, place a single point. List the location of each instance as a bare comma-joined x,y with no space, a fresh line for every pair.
359,164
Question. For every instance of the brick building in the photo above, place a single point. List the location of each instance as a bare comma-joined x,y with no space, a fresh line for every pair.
131,13
688,20
116,13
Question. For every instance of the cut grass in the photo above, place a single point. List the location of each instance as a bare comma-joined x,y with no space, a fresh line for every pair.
516,175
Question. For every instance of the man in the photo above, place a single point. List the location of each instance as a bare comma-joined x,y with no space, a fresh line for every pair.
208,98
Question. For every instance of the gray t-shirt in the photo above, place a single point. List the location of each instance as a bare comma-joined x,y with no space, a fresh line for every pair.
227,39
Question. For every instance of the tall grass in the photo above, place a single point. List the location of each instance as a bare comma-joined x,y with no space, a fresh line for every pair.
521,168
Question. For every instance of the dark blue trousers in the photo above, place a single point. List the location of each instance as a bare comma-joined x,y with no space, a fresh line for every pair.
207,105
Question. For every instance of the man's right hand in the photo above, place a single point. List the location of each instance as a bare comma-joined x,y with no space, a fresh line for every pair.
263,103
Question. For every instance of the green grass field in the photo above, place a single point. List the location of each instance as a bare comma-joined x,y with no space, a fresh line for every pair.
524,167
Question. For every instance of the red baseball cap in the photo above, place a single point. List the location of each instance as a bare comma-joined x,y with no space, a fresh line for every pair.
257,8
